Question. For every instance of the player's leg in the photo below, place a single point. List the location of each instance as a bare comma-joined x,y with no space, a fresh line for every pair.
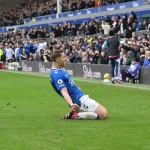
87,116
101,111
81,115
117,65
93,109
112,63
89,109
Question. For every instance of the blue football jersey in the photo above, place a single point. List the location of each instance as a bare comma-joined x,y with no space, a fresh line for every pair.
61,79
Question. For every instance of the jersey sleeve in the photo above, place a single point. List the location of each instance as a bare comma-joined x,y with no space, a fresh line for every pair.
59,81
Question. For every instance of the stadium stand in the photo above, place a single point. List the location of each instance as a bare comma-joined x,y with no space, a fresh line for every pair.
81,41
37,8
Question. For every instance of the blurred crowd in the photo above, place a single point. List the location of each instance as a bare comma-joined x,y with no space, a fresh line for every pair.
32,9
77,50
31,45
123,23
36,8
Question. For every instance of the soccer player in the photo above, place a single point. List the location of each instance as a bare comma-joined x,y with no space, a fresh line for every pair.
82,107
112,44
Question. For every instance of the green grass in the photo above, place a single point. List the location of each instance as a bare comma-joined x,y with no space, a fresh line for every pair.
32,120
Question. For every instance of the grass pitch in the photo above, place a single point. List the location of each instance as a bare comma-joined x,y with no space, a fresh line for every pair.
30,114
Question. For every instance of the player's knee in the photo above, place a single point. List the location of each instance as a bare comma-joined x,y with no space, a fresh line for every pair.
102,112
103,115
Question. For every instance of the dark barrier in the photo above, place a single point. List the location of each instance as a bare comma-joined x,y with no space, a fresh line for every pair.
81,70
70,69
87,71
145,75
32,66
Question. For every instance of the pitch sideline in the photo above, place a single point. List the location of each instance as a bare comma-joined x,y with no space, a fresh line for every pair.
80,80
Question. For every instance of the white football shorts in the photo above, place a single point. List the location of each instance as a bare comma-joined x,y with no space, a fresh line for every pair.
87,104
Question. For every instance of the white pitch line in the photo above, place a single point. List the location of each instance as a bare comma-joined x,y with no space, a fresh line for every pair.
92,81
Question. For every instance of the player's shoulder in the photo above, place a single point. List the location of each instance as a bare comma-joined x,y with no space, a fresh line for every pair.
56,72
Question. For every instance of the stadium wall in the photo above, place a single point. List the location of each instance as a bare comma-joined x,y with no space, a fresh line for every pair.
81,70
6,5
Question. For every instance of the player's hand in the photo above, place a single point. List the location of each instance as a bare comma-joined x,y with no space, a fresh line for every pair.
74,107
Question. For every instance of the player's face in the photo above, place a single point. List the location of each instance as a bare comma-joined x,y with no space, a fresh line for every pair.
63,60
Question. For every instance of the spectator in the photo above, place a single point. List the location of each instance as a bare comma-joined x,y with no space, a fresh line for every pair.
130,55
17,52
91,60
132,71
141,26
1,52
147,59
103,58
129,32
149,27
85,57
106,27
9,53
121,26
141,55
123,58
27,46
73,56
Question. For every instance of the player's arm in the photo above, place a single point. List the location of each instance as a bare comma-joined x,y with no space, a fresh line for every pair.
68,99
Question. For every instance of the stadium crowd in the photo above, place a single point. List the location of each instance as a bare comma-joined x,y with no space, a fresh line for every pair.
30,44
36,8
77,50
123,23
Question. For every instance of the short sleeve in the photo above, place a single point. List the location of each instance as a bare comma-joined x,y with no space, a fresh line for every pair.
59,82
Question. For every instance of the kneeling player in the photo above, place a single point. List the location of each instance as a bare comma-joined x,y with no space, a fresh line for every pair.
82,107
